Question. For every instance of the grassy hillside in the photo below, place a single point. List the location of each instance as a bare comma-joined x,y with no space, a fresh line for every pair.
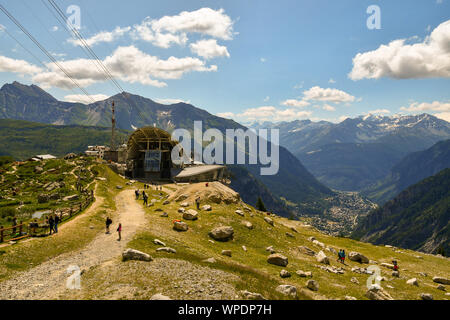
22,139
418,218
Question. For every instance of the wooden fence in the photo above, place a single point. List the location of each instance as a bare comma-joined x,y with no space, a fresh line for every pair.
24,230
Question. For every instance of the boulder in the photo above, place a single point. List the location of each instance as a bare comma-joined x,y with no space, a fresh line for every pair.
251,295
413,282
287,290
166,249
304,274
395,274
210,260
349,298
441,287
38,169
290,235
42,198
166,202
180,226
312,285
240,212
378,293
306,250
71,198
224,233
206,207
268,220
190,215
278,260
244,248
426,296
164,215
159,242
119,187
226,253
387,265
185,204
354,280
285,274
358,257
322,258
131,254
159,296
181,210
318,243
247,224
441,280
270,249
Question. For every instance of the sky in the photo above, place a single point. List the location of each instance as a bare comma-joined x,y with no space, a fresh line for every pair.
247,60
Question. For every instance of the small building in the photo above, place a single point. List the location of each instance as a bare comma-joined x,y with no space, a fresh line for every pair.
44,157
96,151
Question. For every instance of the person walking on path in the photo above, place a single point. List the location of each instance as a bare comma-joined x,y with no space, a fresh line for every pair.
56,221
197,202
108,223
145,197
119,231
51,223
137,194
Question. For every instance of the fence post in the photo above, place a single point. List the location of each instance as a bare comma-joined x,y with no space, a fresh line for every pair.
20,228
1,234
70,212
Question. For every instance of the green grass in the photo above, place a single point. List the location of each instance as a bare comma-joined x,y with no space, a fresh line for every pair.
73,236
257,275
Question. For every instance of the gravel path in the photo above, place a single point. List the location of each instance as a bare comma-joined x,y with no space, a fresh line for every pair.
48,280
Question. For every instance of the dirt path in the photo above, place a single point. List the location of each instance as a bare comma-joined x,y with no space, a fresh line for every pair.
48,280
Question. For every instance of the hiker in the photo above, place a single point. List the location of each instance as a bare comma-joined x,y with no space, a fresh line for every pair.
145,197
51,223
197,202
108,222
33,225
343,257
394,262
207,184
119,231
137,194
339,259
56,221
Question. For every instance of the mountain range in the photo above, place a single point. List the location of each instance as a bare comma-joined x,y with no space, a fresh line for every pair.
357,153
293,182
418,218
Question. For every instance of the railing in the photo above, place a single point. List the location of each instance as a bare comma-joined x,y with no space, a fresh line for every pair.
15,233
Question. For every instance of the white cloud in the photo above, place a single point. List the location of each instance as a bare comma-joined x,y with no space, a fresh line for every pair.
268,113
81,98
443,115
209,49
226,115
327,107
266,99
17,66
330,95
343,118
331,80
128,64
380,111
54,28
145,32
103,36
299,85
171,101
400,60
206,21
426,106
262,60
295,103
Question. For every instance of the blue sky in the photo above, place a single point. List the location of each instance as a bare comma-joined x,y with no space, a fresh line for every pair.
249,60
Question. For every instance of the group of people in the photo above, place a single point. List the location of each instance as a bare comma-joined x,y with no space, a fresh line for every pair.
108,223
341,256
52,221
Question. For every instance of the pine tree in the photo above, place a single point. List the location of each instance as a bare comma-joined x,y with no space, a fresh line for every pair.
260,205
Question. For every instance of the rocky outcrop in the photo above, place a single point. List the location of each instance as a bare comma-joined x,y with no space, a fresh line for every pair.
224,233
131,254
278,260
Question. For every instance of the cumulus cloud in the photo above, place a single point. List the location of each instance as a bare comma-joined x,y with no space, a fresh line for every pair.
81,98
428,106
205,21
327,107
226,115
329,95
401,60
170,30
443,115
267,113
295,103
103,36
209,49
126,63
17,66
380,111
